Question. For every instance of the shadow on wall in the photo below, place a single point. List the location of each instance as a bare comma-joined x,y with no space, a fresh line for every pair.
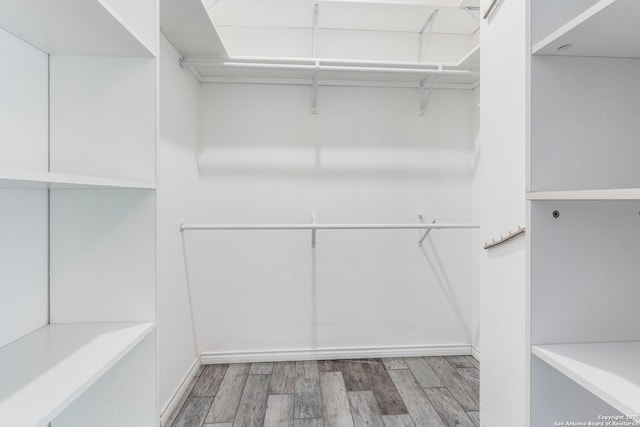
442,278
384,289
336,161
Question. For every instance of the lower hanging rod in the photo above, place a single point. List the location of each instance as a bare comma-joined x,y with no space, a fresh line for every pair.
419,226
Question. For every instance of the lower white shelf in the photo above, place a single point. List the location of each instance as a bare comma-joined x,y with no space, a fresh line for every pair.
45,371
609,370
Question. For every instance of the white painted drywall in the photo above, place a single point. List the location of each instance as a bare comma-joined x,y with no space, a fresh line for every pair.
367,157
503,284
604,268
600,124
177,182
103,111
476,208
24,265
140,17
24,106
102,258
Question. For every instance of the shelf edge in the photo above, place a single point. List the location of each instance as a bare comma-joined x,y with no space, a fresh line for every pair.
549,357
607,194
570,25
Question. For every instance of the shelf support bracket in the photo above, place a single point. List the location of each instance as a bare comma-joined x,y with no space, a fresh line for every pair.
314,89
426,85
426,233
426,30
314,220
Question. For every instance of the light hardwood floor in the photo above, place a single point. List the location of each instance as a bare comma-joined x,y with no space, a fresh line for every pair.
409,392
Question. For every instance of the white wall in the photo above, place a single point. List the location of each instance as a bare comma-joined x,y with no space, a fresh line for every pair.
24,106
367,157
24,269
177,182
504,295
476,206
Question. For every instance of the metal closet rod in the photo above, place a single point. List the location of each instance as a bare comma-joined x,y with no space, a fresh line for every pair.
319,67
418,226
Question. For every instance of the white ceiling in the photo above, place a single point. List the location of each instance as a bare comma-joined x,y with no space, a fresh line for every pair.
374,15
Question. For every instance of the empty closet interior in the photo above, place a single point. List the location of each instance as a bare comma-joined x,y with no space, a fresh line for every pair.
208,182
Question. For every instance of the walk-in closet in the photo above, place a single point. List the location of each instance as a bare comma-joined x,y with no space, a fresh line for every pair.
319,213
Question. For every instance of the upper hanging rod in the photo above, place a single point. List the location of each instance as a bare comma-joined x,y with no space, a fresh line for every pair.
419,226
318,66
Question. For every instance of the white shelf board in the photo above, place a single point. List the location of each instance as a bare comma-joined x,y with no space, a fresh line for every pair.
188,26
45,371
249,69
611,371
35,179
71,27
607,194
606,29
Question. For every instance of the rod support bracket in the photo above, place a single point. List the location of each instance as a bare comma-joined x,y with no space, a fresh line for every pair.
314,220
426,233
426,85
314,88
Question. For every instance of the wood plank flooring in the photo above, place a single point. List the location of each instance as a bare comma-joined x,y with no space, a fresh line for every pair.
393,392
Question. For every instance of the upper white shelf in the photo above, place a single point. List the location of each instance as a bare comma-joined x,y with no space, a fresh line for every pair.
187,25
33,179
607,29
333,71
45,371
73,27
611,371
613,194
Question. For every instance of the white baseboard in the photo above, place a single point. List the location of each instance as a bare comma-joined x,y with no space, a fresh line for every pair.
179,392
334,353
475,352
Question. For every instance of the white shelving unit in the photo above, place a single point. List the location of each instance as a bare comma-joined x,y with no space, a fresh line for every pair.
77,224
584,194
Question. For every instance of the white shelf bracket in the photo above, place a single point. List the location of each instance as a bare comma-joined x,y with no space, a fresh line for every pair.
426,233
424,91
314,220
314,89
426,30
